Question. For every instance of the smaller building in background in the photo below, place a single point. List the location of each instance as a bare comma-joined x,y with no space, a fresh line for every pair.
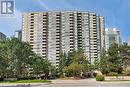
112,36
2,36
18,34
129,41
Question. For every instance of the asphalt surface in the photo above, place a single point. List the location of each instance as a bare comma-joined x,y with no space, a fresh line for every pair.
73,83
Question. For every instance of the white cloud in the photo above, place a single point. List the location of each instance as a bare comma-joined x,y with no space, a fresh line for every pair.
41,3
55,4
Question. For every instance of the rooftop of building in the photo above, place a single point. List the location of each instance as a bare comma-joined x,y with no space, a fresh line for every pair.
63,11
2,33
112,31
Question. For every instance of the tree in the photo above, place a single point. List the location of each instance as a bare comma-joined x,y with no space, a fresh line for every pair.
62,64
79,60
3,61
68,58
23,56
96,63
114,59
17,55
74,69
41,67
103,62
125,53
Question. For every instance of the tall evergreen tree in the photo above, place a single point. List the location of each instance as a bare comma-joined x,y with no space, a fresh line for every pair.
104,62
114,59
125,54
62,63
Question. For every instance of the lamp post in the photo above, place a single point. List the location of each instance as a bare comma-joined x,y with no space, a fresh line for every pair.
107,65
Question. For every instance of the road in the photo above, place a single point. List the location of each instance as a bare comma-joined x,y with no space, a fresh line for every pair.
73,83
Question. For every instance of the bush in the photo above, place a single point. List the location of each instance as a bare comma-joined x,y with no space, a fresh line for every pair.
100,78
113,74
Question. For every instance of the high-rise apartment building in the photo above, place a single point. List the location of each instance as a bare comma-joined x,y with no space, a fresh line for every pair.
2,36
18,34
129,41
112,36
50,33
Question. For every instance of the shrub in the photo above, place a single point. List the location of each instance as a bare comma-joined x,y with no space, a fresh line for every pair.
100,78
113,74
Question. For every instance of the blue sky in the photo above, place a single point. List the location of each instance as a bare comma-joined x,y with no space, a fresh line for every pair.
116,12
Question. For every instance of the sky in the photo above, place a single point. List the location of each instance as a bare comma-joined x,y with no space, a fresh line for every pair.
115,12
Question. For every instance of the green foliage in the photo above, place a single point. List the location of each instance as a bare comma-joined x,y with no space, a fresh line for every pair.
74,69
96,64
113,74
80,58
15,56
78,65
41,66
73,64
18,61
103,62
91,67
100,78
125,54
114,59
62,63
69,58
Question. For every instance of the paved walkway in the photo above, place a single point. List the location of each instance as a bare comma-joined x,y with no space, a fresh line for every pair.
73,83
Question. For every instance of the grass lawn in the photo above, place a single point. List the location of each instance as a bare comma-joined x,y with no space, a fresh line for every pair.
27,81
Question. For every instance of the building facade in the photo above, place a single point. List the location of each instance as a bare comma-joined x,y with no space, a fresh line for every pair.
112,36
18,34
129,41
50,33
2,36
